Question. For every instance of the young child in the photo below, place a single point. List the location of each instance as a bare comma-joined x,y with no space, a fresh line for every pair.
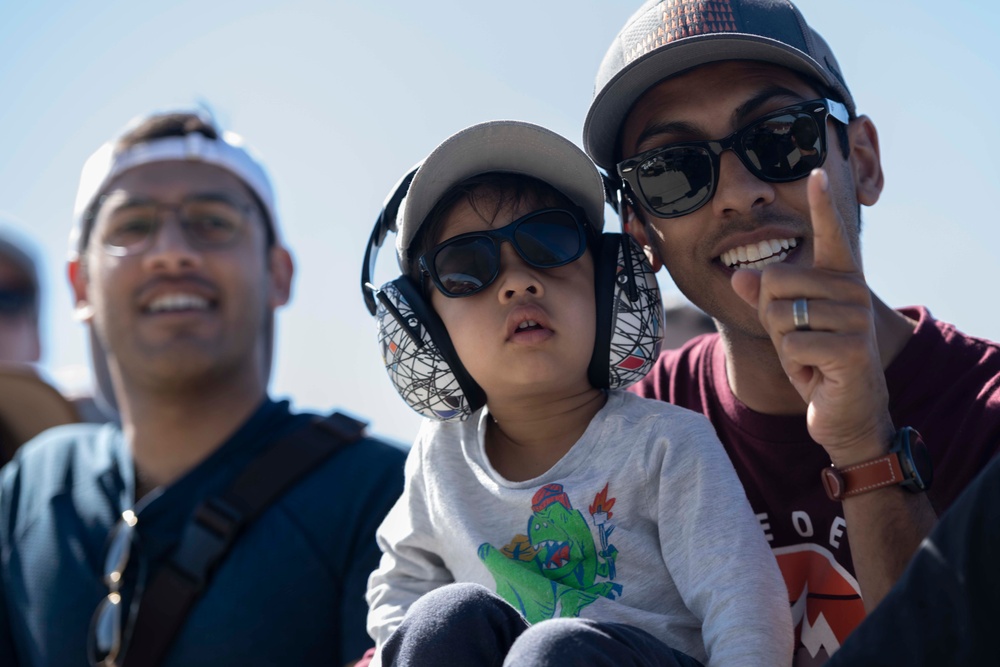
594,526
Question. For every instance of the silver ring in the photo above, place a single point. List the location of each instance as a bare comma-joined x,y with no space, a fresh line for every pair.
800,314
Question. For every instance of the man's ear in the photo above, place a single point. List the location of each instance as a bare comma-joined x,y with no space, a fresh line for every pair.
78,282
282,269
866,163
636,228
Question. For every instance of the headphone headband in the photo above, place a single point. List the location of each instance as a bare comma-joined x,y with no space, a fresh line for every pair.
384,223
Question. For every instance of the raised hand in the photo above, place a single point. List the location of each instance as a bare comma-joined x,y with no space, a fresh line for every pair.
834,364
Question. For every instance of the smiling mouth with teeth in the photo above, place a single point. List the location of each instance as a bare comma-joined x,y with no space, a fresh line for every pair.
758,255
175,302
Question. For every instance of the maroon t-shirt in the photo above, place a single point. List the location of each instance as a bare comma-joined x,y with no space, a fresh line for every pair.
943,383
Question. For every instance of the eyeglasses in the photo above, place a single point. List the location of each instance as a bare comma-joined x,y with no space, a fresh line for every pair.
15,301
468,263
782,146
207,224
108,634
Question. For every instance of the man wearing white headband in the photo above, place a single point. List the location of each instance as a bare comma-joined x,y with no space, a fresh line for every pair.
177,266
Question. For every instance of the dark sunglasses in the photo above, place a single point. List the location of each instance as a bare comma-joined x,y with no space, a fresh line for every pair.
15,301
108,632
785,145
468,263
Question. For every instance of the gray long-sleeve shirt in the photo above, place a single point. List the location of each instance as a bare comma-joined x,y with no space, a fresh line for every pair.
642,522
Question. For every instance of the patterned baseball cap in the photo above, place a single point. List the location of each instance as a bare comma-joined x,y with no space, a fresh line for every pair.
667,37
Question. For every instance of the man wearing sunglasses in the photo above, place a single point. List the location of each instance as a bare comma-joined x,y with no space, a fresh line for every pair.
178,266
737,158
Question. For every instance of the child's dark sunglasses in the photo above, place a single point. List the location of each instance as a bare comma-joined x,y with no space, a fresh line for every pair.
468,263
785,145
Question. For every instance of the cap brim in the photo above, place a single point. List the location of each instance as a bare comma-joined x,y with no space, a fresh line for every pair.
613,102
502,146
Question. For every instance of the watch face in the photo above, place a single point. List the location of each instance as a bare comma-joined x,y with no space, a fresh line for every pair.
917,461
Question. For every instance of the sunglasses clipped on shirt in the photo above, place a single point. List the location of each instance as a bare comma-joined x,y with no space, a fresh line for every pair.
468,263
111,625
782,146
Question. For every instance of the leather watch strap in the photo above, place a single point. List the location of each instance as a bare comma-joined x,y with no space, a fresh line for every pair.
863,477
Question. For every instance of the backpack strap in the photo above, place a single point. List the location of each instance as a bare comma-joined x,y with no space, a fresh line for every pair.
217,523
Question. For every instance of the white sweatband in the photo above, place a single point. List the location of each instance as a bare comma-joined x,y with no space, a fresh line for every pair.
228,152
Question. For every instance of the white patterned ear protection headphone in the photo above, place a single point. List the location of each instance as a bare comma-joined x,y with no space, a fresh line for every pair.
418,353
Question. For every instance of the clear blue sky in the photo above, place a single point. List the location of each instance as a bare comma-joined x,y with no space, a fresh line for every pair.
341,97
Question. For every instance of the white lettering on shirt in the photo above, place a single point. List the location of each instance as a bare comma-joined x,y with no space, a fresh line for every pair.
837,531
802,523
766,527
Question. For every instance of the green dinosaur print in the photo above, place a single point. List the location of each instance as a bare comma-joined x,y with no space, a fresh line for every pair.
552,571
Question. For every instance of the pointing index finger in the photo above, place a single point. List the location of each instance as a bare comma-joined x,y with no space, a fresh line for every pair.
831,246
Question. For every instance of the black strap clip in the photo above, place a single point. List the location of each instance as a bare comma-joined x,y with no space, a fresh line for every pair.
206,539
